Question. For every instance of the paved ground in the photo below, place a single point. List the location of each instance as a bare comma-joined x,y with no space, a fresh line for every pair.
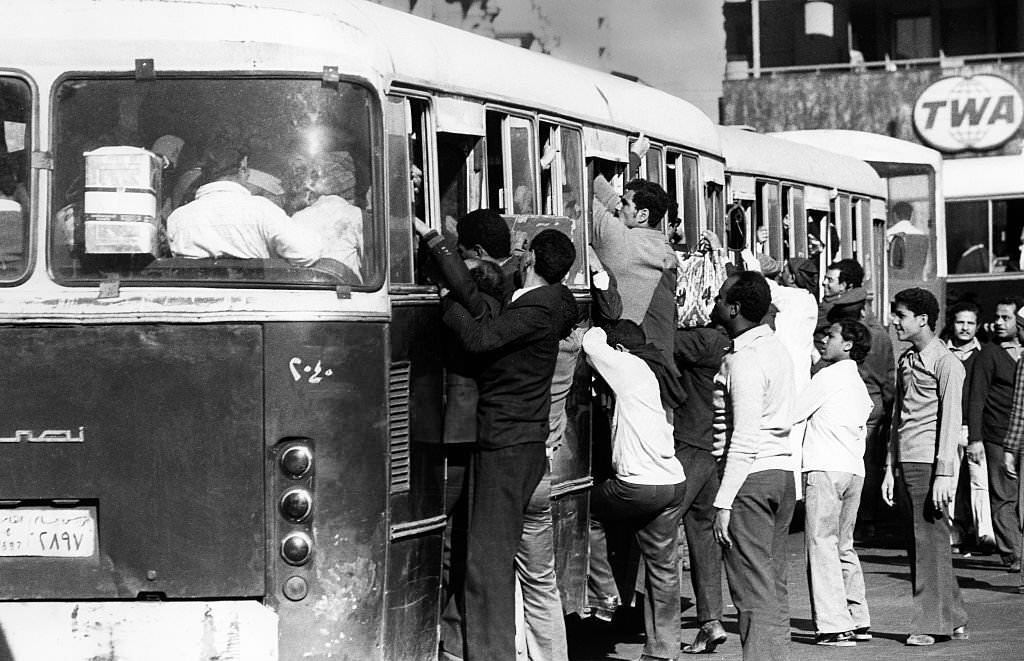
995,608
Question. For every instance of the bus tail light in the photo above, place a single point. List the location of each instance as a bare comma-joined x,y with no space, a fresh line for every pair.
296,548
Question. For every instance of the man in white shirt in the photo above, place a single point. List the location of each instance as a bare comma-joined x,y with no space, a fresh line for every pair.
647,490
227,220
754,396
836,406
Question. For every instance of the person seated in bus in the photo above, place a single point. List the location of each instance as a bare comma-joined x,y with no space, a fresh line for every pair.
329,190
12,221
647,489
227,220
628,240
518,351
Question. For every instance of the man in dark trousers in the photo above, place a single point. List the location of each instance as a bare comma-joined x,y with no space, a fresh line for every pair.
988,415
518,350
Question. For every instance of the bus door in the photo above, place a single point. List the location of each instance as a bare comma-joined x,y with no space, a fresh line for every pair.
416,386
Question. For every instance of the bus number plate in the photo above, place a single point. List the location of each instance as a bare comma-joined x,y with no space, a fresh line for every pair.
48,532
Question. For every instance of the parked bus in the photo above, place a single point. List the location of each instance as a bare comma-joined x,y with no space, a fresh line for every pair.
984,228
914,234
806,202
241,458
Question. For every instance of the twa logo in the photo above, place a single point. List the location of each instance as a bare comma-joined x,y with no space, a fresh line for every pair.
980,112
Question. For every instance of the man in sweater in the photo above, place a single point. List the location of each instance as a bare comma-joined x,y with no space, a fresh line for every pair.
991,395
518,350
836,406
922,463
754,399
634,249
646,490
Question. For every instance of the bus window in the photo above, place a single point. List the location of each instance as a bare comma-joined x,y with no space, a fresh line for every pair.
399,192
15,106
562,186
737,229
769,220
687,198
1008,233
165,145
715,211
912,221
652,165
460,166
798,230
844,218
510,164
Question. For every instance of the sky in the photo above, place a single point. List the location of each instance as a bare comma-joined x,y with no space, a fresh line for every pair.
675,45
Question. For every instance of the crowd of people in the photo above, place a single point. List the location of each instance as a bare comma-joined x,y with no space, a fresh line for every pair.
716,429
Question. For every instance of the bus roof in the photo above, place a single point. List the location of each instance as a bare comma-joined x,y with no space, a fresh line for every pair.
387,47
750,153
867,146
983,177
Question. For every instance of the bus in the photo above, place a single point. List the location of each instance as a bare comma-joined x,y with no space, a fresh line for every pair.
984,228
813,203
228,457
914,233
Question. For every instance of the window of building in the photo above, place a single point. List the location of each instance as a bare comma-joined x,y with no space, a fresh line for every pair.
912,37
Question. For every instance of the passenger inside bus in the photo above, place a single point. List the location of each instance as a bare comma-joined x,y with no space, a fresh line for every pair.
327,187
227,220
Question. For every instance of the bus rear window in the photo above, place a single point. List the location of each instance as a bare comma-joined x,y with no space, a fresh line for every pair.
240,181
15,108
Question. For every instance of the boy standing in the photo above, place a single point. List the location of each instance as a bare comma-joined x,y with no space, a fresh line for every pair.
922,462
836,406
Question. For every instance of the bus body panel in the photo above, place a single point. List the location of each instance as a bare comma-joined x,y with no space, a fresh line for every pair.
133,630
169,422
325,382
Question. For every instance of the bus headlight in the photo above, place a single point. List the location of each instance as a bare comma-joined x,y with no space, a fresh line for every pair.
296,548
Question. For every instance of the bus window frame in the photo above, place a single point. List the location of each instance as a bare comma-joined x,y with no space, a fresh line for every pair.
30,223
684,203
990,202
558,126
769,210
375,111
506,147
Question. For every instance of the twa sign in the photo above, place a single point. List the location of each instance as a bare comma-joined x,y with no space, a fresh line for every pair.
980,112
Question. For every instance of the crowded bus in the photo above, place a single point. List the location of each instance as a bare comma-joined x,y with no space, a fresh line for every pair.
230,442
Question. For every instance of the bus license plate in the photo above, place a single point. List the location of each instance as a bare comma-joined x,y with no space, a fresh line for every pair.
48,532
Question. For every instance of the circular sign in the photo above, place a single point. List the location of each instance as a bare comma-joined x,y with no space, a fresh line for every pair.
978,112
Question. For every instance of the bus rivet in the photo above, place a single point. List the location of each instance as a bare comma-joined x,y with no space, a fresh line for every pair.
151,575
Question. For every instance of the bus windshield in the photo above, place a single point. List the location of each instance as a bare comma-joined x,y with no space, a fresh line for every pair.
911,229
15,108
239,181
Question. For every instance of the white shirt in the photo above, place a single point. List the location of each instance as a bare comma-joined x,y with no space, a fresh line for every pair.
836,406
339,224
753,403
226,220
643,450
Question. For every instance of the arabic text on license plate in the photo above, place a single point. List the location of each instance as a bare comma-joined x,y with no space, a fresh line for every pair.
48,532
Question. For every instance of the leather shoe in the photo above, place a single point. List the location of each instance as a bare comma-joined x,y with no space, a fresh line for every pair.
920,640
960,633
710,635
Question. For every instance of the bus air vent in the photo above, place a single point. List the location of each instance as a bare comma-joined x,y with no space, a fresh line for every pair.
398,424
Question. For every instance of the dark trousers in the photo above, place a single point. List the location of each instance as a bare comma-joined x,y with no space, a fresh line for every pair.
938,608
453,571
756,563
1002,494
698,522
502,483
875,448
653,512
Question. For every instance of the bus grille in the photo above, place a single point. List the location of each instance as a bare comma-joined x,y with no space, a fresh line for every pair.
398,424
